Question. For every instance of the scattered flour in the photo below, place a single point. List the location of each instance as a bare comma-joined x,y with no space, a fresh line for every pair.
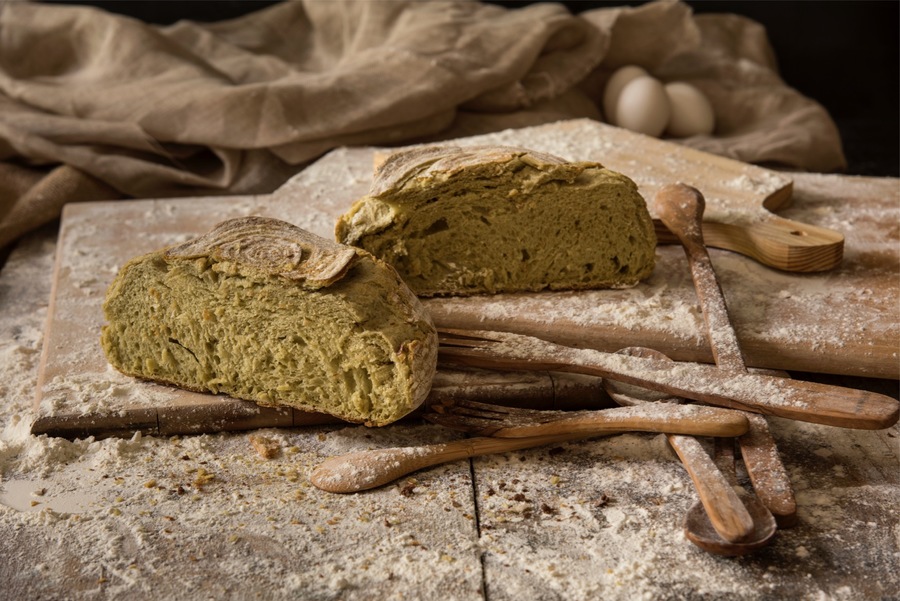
208,516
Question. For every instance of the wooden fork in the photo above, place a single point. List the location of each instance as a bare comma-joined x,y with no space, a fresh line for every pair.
485,419
757,393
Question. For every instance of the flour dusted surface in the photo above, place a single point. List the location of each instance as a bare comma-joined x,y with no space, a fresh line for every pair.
810,322
209,516
577,521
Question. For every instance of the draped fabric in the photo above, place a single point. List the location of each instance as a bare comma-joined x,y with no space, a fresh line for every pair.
97,106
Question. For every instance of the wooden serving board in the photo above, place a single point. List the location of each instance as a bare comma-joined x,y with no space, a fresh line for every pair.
841,321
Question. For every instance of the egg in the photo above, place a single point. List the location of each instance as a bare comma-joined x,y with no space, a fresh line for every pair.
643,106
691,112
618,80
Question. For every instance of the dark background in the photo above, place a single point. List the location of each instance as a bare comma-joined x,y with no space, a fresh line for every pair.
844,54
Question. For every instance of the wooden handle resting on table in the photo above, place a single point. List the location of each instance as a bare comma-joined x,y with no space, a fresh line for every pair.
723,506
774,241
364,470
681,209
792,399
692,420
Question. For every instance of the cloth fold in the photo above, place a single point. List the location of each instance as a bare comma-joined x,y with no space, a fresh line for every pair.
117,108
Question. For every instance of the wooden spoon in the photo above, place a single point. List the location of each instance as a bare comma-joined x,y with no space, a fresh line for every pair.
699,529
727,515
680,208
803,401
363,470
485,419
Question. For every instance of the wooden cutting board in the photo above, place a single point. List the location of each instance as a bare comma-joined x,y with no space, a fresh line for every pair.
840,321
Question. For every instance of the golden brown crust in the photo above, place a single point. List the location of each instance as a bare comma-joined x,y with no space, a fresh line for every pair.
444,161
272,247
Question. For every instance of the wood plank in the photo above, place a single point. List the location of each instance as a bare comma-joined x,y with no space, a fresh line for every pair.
603,519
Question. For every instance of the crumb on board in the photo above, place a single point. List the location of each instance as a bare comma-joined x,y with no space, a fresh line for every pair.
265,447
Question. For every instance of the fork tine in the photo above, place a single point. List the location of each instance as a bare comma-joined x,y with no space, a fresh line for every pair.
497,349
450,337
493,410
454,343
485,418
464,423
470,409
470,334
476,413
480,406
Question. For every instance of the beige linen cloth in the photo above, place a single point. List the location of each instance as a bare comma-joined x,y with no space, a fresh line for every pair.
96,106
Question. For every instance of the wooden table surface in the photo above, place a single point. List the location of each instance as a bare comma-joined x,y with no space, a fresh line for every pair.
208,516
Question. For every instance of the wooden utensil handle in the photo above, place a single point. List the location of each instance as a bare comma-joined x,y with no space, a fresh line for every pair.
723,506
675,419
364,470
768,474
793,399
681,209
723,340
773,241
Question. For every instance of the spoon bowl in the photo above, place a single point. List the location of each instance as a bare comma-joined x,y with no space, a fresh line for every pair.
726,520
699,529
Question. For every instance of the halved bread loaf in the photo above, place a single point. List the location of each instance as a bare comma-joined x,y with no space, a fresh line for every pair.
262,310
481,219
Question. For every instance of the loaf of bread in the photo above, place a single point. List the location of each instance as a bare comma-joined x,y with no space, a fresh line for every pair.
262,310
458,221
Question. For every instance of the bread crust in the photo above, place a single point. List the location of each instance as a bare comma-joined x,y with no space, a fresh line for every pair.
261,310
502,201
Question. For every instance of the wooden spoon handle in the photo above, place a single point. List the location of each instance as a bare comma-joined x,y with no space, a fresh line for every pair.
369,469
767,472
694,420
792,399
727,513
723,339
682,208
773,241
799,400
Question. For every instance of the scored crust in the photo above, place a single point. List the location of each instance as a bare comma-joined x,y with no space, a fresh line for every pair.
264,311
486,219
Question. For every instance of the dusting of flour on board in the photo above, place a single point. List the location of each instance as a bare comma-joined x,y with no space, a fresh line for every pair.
208,514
